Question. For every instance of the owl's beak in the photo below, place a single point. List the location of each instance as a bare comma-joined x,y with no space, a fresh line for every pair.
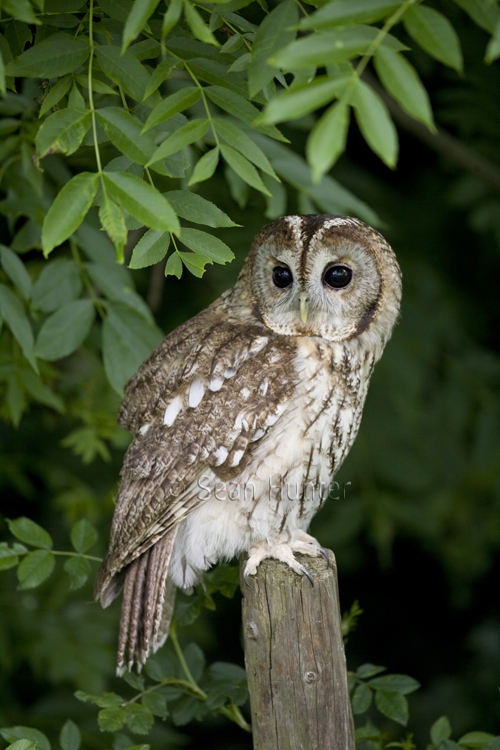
303,307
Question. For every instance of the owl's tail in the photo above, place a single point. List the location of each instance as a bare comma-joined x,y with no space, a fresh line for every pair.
148,603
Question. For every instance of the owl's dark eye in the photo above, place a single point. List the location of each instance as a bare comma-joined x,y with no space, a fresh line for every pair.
282,276
337,277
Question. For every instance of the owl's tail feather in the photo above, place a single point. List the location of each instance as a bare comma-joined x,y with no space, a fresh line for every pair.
148,604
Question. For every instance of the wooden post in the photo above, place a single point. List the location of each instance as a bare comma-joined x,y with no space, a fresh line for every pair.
295,660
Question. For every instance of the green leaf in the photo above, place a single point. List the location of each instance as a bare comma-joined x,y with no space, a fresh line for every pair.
137,19
23,745
435,34
396,683
53,57
78,569
207,245
205,167
440,730
55,94
475,739
243,168
69,737
174,266
115,282
188,133
83,535
58,283
111,719
35,568
239,107
375,123
20,9
198,26
344,12
274,33
8,557
173,104
62,132
30,532
124,70
151,248
327,139
15,316
335,46
392,705
482,12
171,17
300,101
65,330
156,703
16,271
98,86
128,339
113,223
361,699
160,73
125,132
244,144
194,263
216,73
68,210
34,735
194,208
118,9
142,201
402,81
139,718
493,48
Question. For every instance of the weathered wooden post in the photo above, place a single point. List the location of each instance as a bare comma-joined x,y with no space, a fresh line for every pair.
295,660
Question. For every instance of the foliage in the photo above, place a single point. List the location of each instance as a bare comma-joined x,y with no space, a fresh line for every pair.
146,132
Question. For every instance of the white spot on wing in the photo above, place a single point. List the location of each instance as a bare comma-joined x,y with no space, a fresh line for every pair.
220,455
196,392
172,411
245,392
263,387
237,456
216,384
258,434
144,428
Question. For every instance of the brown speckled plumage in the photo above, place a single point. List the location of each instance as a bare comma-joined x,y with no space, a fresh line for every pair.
245,392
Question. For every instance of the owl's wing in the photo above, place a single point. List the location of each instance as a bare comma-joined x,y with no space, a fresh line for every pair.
202,399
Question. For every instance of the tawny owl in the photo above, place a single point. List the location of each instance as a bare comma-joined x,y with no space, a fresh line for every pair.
242,416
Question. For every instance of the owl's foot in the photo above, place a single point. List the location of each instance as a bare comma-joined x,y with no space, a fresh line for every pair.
308,545
284,553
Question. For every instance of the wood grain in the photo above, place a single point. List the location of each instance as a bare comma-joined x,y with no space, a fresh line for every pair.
295,659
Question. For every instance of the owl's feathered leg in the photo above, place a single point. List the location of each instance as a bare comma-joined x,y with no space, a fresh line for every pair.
148,603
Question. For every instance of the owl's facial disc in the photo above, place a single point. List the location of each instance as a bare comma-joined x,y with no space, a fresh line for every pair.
323,276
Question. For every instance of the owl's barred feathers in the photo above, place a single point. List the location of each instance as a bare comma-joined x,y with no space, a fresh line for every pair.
246,395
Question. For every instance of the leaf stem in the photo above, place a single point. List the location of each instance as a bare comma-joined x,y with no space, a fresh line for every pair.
91,93
231,711
183,662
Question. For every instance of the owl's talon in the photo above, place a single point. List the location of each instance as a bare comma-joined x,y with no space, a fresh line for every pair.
306,573
245,578
322,551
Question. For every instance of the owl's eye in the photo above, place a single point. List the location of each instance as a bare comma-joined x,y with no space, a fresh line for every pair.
282,277
337,277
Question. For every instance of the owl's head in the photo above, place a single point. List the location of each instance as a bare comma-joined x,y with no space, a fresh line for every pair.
327,276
